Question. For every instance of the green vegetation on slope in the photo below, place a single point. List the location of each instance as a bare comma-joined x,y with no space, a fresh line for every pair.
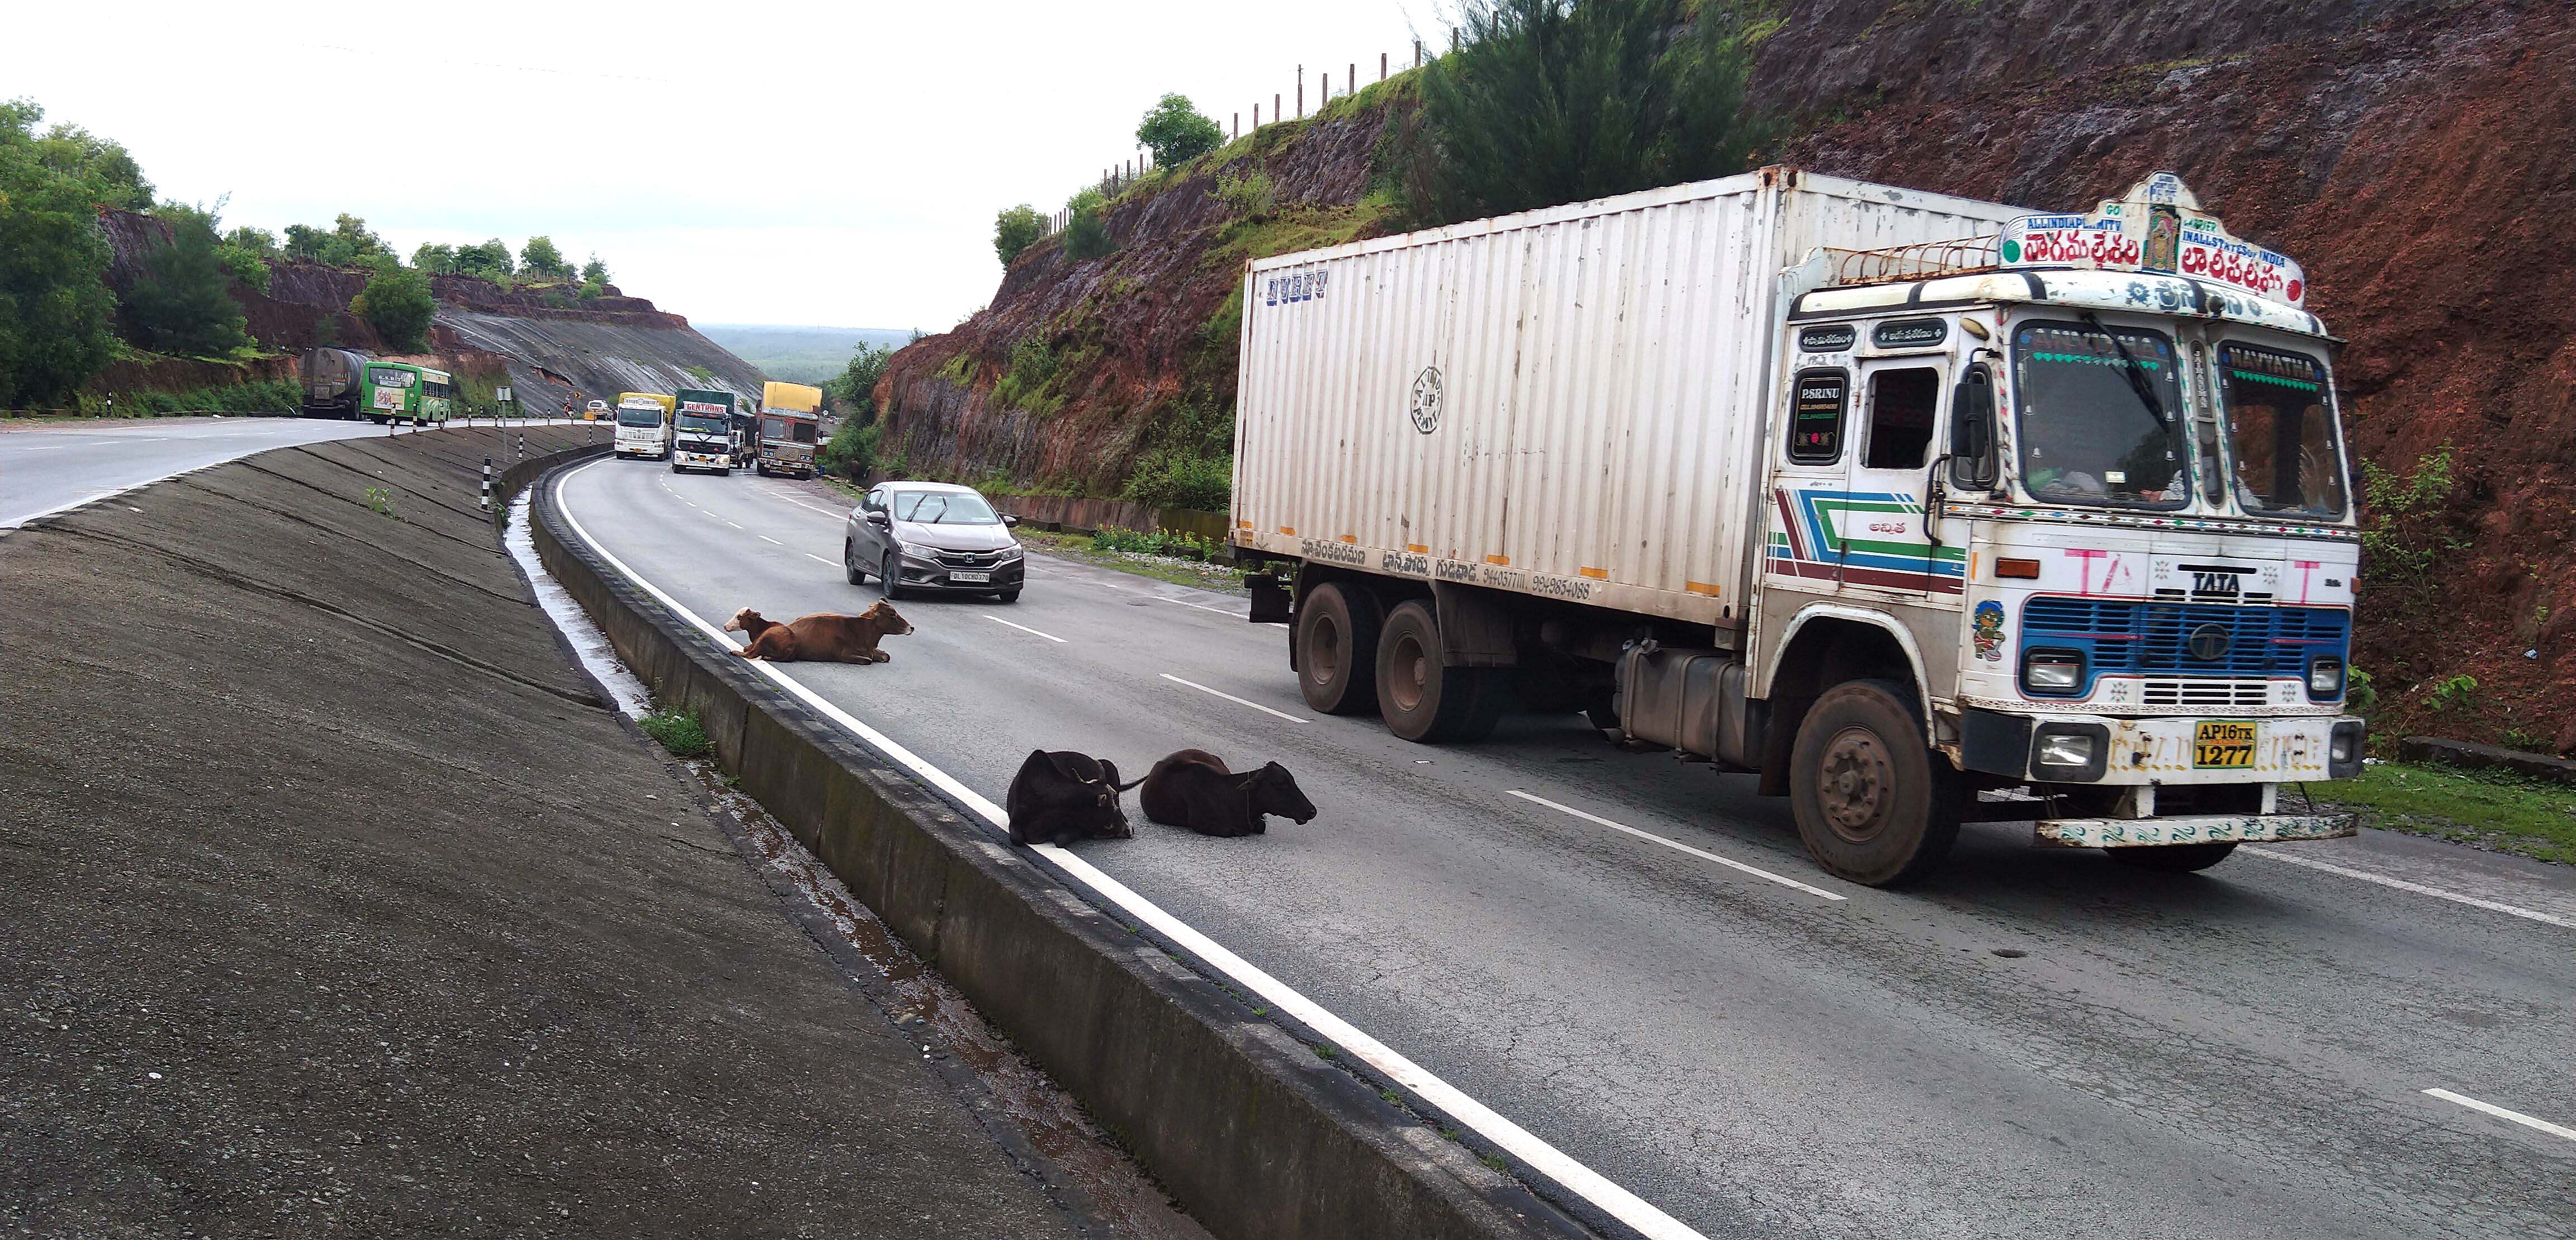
2490,809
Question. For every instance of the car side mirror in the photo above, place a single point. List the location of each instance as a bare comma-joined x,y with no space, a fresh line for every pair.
878,518
1972,431
1011,521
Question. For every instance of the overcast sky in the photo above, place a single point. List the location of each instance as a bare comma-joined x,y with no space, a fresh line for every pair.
824,163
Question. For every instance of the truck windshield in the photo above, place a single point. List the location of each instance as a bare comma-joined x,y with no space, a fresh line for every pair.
2101,415
639,417
943,508
2281,430
697,425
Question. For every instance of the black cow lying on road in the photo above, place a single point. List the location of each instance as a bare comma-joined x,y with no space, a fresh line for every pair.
1061,796
1193,789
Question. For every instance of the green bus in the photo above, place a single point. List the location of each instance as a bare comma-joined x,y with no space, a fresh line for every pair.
402,392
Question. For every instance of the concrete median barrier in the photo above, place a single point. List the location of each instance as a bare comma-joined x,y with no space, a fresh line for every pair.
1251,1131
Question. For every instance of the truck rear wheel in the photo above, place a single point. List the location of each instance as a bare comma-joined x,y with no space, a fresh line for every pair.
2174,858
1336,636
1874,804
1420,698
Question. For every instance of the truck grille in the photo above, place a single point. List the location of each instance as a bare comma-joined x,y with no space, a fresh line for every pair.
2206,691
2126,636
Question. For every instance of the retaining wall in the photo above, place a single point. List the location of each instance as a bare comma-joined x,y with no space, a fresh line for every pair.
1250,1130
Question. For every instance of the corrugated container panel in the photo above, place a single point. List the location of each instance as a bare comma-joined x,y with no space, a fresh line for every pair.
1603,370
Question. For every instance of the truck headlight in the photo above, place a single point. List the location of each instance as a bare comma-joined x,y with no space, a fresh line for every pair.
2066,749
2071,753
2343,749
2325,678
2052,673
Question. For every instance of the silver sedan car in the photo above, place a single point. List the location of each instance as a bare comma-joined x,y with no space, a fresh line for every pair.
932,538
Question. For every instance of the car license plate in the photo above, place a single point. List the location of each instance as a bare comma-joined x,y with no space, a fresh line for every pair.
981,577
2224,743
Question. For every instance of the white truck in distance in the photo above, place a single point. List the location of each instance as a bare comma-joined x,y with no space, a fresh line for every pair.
1923,509
644,425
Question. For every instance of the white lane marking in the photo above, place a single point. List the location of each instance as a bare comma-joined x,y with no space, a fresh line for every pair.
1025,629
767,539
728,520
816,558
1231,698
778,494
1201,606
2556,1130
1678,846
2420,889
1541,1157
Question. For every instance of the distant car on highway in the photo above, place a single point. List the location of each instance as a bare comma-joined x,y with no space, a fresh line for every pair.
932,538
594,411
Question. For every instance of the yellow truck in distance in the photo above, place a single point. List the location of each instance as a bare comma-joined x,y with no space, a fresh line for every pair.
790,423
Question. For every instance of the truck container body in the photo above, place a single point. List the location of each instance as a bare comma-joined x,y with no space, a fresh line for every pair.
789,430
702,430
1769,468
644,425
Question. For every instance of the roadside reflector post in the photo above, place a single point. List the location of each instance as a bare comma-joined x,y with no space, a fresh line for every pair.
487,484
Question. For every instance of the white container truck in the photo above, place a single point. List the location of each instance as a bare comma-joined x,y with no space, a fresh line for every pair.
1923,509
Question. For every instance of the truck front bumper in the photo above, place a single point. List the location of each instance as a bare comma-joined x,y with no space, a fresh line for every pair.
2184,749
2210,829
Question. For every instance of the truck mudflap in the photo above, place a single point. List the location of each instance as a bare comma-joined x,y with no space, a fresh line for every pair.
2211,829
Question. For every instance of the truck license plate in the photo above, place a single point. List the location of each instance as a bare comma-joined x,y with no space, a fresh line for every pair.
2222,743
979,577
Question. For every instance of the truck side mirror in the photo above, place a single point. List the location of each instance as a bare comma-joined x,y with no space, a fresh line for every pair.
1972,431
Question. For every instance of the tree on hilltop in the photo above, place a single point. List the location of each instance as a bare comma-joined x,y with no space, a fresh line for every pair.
1015,230
1176,132
539,257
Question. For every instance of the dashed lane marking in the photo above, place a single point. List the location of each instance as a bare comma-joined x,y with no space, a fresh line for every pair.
1025,629
767,539
1231,698
1538,1155
2492,906
1678,846
2527,1121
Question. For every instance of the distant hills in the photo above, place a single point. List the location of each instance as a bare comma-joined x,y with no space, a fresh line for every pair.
798,354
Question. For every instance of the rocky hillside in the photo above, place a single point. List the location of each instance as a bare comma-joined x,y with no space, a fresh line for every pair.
549,353
2413,154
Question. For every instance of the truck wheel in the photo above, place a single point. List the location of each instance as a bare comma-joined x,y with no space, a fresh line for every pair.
850,564
1874,804
1422,700
2174,858
1336,636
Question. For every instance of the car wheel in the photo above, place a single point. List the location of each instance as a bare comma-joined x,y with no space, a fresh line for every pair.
1335,640
1009,596
890,576
850,564
1874,804
1422,699
2174,858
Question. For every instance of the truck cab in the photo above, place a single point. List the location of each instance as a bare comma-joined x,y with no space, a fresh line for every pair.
702,431
643,425
2087,523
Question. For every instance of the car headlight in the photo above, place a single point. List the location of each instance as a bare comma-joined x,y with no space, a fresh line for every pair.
1011,552
2052,673
2325,678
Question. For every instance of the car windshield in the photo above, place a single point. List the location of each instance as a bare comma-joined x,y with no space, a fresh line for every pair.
2101,415
2281,430
639,417
944,508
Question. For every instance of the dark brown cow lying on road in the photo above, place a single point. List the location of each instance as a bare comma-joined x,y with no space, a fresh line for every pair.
823,638
1193,789
1061,796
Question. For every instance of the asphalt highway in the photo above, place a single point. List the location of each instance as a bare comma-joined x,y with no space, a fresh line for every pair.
47,468
1629,957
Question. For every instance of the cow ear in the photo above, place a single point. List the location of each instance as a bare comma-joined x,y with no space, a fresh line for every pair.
1064,765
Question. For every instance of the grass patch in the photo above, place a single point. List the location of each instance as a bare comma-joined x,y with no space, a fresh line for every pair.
1197,574
677,731
2488,809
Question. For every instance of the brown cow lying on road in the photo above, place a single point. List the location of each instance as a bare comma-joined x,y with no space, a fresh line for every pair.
1061,796
1193,789
823,638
